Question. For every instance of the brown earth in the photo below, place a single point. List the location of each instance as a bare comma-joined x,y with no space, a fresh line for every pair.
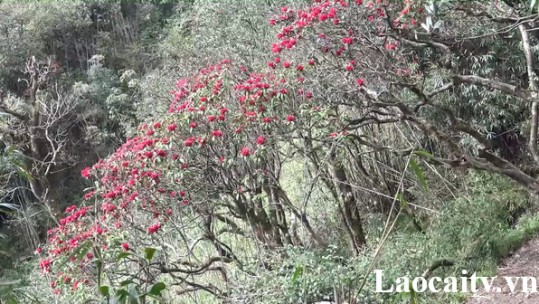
522,263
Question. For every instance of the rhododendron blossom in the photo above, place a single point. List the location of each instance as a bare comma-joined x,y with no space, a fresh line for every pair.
86,172
189,142
347,40
154,228
245,151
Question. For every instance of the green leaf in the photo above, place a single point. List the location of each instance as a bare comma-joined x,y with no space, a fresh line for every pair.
149,253
402,201
297,274
133,295
104,290
418,171
423,153
126,282
122,255
121,295
156,289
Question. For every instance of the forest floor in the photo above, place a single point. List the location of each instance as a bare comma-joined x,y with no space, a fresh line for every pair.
524,262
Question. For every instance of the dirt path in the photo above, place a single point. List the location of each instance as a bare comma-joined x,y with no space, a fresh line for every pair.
524,262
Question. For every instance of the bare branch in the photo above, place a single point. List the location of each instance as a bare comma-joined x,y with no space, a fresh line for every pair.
525,94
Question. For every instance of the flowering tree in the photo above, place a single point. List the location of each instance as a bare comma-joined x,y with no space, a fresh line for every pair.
341,72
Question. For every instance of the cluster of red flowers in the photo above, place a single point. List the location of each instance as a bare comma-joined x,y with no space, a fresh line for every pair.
209,121
154,228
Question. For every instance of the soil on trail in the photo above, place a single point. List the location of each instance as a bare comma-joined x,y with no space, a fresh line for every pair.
522,263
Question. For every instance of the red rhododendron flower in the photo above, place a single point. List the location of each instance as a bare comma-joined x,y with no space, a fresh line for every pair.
189,142
45,265
217,133
360,82
193,125
245,151
347,40
287,64
161,153
212,118
88,195
290,118
261,140
359,2
125,246
148,154
349,67
276,48
154,228
391,46
86,172
157,125
311,62
299,68
172,127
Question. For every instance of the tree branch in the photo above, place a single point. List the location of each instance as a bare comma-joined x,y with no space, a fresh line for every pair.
527,95
5,109
533,86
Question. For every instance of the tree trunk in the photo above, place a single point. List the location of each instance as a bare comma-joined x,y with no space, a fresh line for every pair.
348,207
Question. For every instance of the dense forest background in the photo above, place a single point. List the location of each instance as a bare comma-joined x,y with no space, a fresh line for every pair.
262,151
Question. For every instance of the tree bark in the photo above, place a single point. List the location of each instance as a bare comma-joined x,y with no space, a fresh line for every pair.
348,207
